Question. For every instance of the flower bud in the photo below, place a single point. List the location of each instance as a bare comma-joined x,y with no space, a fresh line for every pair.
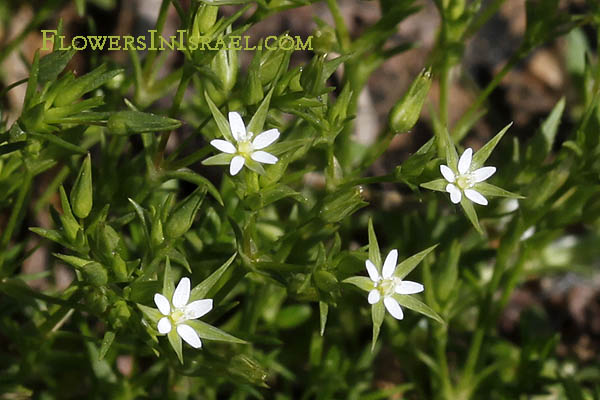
119,314
182,217
312,76
325,281
205,19
81,193
96,299
95,274
119,267
253,91
156,233
405,113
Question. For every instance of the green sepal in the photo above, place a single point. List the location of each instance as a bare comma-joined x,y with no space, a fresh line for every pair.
467,206
406,266
219,159
361,282
168,285
209,332
258,120
374,253
152,314
175,342
377,315
491,190
414,304
220,120
203,288
480,157
437,185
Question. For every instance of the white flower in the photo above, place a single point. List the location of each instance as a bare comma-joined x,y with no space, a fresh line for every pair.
178,311
465,179
244,148
386,285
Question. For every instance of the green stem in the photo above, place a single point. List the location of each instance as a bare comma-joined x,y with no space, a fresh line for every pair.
152,54
16,214
340,25
464,123
440,338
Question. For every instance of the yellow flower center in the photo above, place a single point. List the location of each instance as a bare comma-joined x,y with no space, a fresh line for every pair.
177,316
386,287
245,148
464,182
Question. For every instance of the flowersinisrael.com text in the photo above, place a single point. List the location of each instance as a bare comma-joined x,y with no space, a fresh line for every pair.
180,42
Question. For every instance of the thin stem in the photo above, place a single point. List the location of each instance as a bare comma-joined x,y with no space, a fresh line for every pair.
160,24
462,126
340,25
14,217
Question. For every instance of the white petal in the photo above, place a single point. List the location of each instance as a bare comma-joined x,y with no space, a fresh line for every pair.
464,163
164,325
265,139
182,293
476,197
189,335
198,308
455,194
264,157
408,287
482,174
236,165
372,270
393,307
223,145
236,124
447,173
389,265
374,296
162,303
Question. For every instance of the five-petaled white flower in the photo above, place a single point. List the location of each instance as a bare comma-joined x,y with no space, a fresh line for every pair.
465,179
178,311
386,285
246,149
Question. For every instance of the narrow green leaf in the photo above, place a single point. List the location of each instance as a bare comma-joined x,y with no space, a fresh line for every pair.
32,83
414,304
406,266
480,157
188,175
377,315
361,282
323,312
107,341
53,64
132,122
76,262
140,214
209,332
49,234
203,288
470,213
374,253
220,120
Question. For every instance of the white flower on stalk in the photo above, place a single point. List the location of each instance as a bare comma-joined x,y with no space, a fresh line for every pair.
177,311
386,285
463,181
245,148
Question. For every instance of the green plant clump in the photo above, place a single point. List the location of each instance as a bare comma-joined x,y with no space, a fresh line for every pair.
221,233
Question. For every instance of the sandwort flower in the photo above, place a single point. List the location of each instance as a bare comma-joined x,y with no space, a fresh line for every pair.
245,148
386,285
178,311
464,181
